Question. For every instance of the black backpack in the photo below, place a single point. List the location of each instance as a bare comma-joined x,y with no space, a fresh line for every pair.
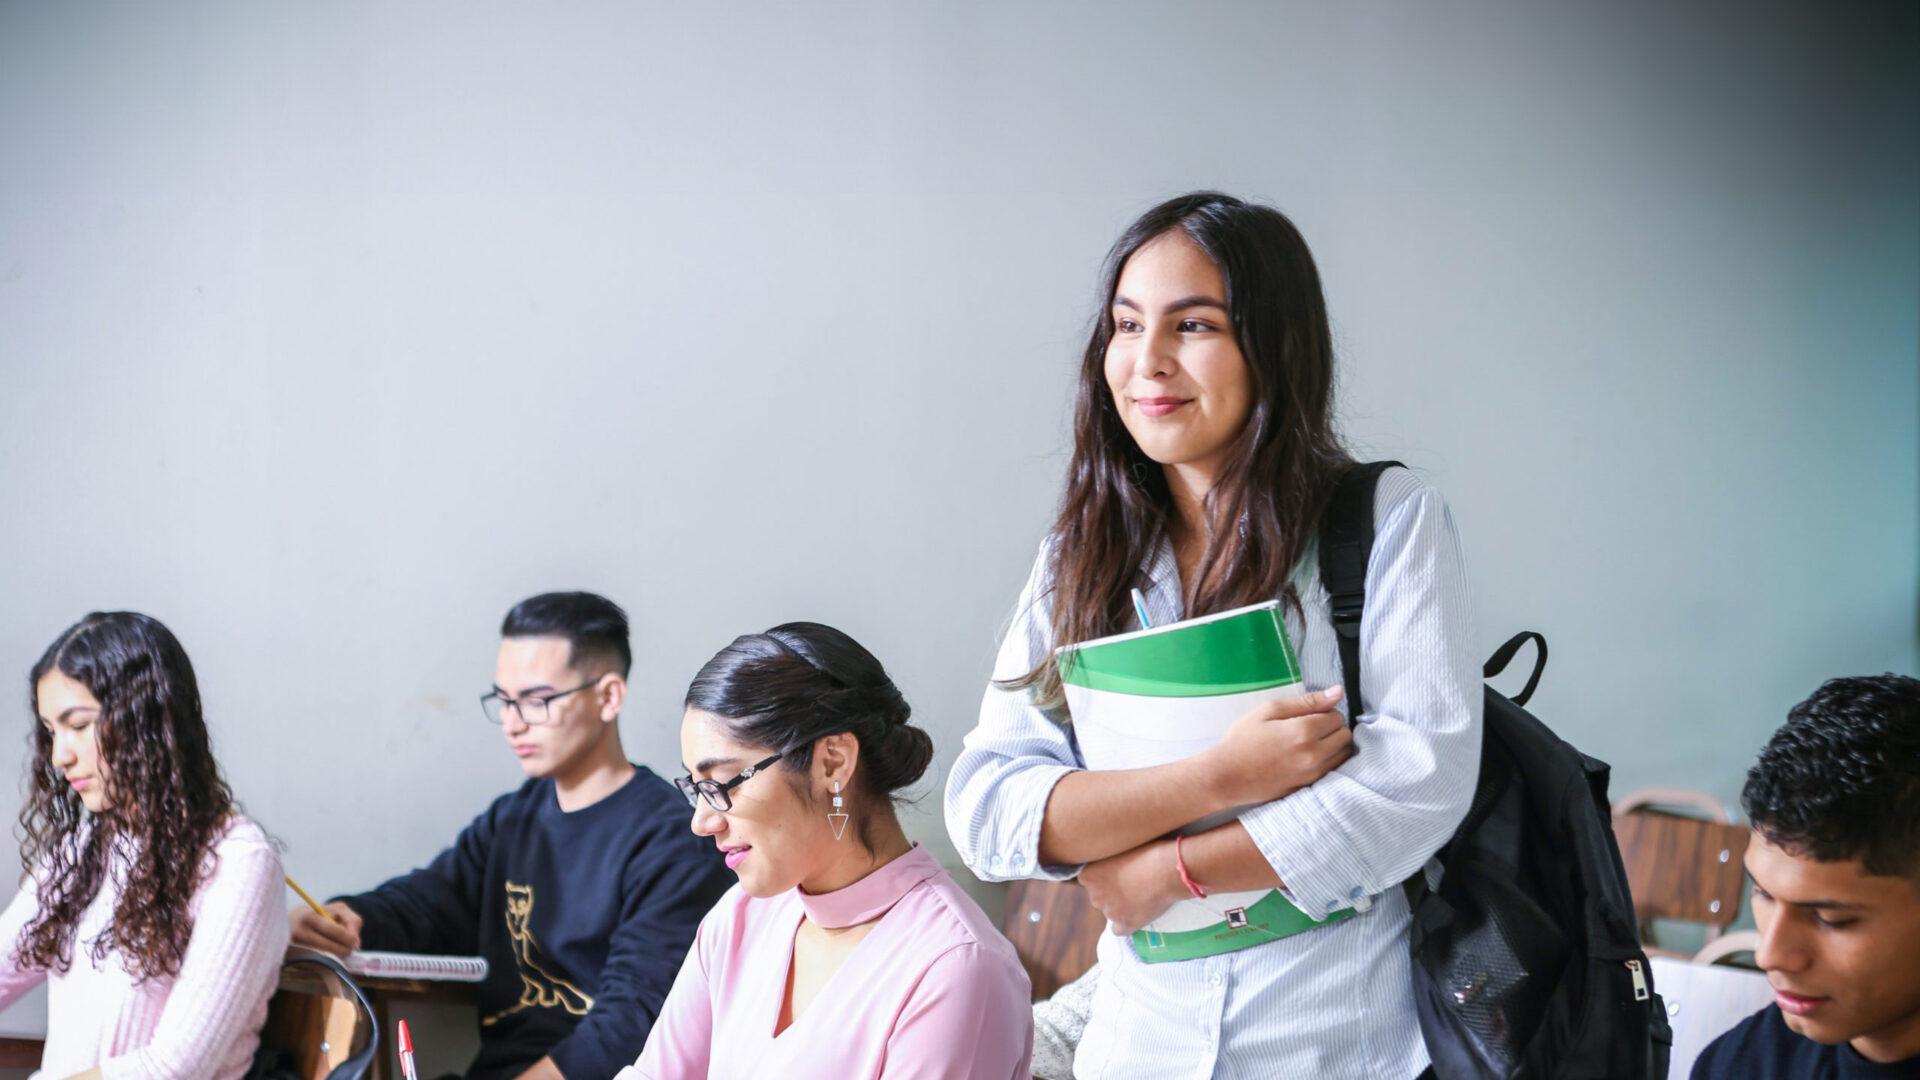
1526,958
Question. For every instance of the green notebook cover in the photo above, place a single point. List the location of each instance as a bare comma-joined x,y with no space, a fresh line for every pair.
1161,695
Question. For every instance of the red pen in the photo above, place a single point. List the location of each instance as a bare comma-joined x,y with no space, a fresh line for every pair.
406,1053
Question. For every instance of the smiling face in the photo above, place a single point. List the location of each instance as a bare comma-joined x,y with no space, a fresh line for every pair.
539,667
71,714
775,836
1841,948
1178,378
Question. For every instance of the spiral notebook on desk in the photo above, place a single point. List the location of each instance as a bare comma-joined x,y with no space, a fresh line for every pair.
395,965
1162,695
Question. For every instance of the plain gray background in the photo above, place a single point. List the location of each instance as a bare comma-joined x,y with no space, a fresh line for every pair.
331,330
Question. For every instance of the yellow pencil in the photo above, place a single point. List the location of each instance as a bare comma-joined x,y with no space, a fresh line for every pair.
311,902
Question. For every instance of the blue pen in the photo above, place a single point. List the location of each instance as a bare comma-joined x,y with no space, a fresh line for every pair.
1140,608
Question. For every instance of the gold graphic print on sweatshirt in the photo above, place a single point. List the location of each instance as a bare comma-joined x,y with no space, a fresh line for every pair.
539,988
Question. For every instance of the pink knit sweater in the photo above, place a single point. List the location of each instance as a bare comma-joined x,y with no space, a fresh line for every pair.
202,1024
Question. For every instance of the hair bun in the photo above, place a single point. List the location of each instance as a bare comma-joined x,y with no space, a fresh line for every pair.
905,753
800,682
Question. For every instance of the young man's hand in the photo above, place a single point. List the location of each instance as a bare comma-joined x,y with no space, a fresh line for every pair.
544,1069
326,935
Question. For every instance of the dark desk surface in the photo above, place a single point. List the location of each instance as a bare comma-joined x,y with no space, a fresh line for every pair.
20,1053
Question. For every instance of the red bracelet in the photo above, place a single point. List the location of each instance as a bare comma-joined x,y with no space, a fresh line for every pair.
1186,879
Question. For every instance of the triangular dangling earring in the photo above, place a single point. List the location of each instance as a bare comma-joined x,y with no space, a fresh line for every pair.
838,817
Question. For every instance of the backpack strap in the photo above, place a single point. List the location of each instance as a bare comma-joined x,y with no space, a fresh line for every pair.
1346,542
1503,656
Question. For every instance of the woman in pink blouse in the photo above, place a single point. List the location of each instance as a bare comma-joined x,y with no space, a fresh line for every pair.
845,951
151,906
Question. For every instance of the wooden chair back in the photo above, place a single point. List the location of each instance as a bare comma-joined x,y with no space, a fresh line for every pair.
1054,929
1680,868
321,1020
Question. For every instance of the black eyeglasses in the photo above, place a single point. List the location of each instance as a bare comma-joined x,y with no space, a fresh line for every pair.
531,709
718,795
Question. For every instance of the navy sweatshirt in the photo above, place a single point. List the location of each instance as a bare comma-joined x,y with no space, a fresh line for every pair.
1762,1047
583,917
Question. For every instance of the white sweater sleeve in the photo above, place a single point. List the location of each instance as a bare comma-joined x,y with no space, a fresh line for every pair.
15,979
231,967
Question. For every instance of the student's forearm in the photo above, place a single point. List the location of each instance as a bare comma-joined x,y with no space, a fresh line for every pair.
1094,814
1226,859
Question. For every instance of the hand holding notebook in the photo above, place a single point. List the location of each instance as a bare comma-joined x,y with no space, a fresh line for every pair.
1207,686
1259,759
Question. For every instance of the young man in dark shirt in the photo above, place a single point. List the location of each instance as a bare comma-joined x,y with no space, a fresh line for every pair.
582,889
1835,863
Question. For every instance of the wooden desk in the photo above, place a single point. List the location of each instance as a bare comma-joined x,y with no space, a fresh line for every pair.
306,1015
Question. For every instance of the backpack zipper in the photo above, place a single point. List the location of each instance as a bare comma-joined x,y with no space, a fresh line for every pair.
1640,992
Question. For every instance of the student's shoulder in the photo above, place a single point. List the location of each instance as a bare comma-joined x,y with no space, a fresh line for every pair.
243,835
955,930
1758,1048
1400,489
245,849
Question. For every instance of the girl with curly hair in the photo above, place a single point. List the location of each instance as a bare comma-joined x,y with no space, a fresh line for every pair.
150,905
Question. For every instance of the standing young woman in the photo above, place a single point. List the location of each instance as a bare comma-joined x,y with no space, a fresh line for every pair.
151,906
845,951
1204,455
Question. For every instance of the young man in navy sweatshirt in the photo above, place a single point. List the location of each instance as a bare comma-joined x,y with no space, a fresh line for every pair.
1835,863
582,889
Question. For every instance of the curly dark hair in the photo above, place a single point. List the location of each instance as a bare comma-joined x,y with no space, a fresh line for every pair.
1841,780
167,800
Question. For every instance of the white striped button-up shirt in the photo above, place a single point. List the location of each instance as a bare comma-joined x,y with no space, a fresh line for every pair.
1333,1002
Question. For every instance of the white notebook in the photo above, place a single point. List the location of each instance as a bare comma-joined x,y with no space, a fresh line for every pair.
397,965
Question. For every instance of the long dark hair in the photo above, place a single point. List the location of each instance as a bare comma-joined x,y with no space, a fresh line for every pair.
168,802
802,681
1263,509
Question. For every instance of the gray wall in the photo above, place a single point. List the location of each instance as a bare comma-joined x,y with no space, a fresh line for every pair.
330,330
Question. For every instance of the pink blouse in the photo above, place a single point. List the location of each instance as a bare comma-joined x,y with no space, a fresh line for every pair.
933,991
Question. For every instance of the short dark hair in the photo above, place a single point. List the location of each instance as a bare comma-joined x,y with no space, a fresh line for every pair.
594,627
1841,780
802,681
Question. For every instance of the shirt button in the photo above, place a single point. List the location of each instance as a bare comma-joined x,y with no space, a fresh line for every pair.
1333,905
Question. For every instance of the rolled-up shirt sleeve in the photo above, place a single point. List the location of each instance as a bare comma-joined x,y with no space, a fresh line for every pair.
1377,819
997,792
